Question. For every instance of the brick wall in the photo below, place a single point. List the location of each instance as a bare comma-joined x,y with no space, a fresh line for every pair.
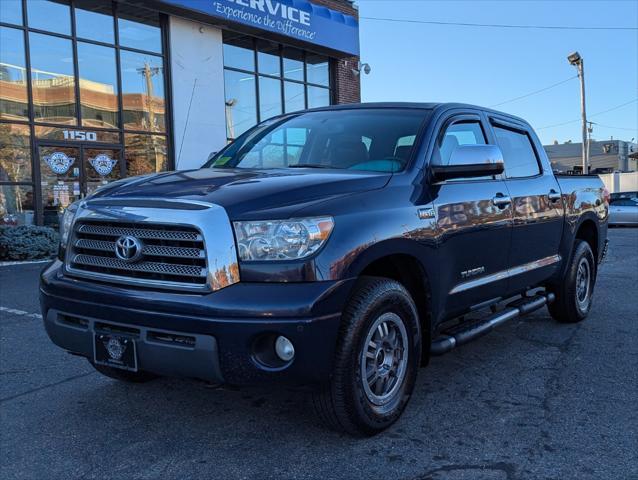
347,86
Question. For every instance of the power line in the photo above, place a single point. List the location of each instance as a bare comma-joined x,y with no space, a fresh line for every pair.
534,92
635,129
495,25
592,115
614,108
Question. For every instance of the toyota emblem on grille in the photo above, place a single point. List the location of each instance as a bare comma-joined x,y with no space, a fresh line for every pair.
128,248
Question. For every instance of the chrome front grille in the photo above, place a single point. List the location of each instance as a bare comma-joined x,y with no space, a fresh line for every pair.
143,233
148,250
172,255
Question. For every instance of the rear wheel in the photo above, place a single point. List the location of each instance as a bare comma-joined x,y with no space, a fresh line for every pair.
124,375
376,361
574,293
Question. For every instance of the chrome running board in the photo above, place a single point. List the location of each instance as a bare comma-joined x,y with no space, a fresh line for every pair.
468,331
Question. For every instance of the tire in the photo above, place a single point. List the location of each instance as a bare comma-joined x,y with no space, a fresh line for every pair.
124,375
574,293
380,313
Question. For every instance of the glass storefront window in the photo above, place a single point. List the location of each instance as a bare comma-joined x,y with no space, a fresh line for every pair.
317,70
11,12
238,53
140,30
101,166
15,153
143,91
293,64
145,154
98,85
269,97
278,89
318,97
96,23
49,15
241,102
268,59
60,180
52,79
294,99
16,205
14,101
73,47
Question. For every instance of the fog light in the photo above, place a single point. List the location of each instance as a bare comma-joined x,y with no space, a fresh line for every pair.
284,349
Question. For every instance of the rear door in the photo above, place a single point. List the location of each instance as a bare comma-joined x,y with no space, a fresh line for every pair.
473,225
537,205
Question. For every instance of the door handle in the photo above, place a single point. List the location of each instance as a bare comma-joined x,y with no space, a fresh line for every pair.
501,201
553,195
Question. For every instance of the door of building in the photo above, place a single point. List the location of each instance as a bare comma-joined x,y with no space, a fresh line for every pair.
69,173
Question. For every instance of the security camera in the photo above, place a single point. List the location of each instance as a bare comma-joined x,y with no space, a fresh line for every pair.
361,67
574,58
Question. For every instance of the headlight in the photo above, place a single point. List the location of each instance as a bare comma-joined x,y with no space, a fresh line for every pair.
281,239
67,222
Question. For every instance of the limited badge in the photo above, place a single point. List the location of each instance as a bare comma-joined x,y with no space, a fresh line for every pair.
59,162
103,164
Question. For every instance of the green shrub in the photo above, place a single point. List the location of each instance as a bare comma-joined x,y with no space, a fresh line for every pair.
28,242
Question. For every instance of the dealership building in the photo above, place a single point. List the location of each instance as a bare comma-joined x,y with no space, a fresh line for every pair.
92,91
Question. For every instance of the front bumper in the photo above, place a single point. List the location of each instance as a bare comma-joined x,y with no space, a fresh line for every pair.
225,328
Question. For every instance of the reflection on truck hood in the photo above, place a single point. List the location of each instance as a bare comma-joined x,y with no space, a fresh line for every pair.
243,191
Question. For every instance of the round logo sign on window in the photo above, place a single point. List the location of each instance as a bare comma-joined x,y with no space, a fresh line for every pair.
103,164
59,162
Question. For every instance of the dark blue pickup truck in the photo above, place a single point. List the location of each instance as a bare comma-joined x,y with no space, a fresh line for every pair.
336,248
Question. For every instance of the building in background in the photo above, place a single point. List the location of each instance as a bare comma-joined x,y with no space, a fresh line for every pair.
92,91
605,156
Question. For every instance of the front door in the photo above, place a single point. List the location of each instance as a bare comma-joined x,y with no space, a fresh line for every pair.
68,174
474,222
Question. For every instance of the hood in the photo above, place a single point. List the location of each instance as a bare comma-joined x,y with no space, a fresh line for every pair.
248,193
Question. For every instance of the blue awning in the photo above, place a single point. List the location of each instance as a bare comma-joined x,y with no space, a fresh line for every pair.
300,20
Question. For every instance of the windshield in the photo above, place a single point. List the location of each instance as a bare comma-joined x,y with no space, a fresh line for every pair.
379,140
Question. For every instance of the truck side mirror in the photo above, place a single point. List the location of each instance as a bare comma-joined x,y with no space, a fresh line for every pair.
470,161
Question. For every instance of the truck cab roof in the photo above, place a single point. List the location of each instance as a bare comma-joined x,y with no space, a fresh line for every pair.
439,106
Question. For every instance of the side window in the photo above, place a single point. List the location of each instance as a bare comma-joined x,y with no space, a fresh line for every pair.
462,133
518,153
625,202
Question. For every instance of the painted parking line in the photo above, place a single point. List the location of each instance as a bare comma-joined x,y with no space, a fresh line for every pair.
21,313
23,262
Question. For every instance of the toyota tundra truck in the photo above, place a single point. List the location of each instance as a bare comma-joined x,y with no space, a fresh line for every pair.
335,249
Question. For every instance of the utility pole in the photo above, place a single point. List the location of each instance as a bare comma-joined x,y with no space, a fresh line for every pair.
576,60
590,129
149,72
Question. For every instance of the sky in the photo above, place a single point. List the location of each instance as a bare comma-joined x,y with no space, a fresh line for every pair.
486,66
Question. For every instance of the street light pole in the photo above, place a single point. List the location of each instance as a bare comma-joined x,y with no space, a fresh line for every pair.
576,60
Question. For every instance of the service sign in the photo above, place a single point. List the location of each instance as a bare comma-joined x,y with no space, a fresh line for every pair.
298,19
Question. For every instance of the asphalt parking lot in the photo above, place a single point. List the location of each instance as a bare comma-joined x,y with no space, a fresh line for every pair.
533,400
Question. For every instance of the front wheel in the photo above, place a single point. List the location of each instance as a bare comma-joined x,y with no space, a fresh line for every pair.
376,360
574,293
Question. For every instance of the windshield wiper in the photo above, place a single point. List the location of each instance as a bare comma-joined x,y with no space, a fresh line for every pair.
309,165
